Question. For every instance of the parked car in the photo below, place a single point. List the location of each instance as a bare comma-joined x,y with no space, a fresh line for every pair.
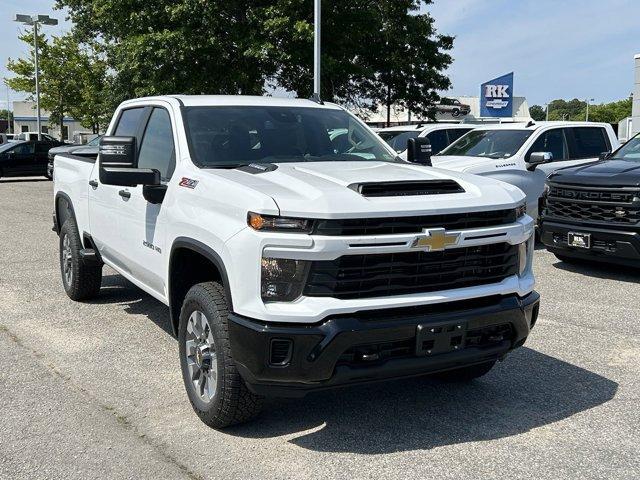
33,136
83,150
288,267
452,106
525,154
25,158
592,212
440,135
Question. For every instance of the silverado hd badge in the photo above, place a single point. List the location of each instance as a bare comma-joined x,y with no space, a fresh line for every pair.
435,239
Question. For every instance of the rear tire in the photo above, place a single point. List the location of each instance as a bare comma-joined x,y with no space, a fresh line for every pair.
215,389
455,112
80,281
465,374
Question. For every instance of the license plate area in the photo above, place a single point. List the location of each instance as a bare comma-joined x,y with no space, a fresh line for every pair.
437,338
579,240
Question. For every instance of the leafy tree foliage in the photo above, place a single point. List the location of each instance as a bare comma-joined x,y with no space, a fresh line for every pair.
71,77
576,110
537,113
374,52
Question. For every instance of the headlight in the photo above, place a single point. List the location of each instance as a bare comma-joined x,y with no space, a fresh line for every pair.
521,210
282,279
525,250
273,223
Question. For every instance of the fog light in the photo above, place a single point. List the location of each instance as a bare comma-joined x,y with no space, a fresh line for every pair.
282,279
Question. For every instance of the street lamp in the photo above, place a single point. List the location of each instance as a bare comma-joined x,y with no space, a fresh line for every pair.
588,100
36,20
546,105
317,16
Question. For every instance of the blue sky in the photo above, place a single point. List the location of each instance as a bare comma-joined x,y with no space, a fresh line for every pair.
557,48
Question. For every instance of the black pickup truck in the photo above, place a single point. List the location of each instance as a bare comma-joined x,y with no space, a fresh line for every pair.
592,212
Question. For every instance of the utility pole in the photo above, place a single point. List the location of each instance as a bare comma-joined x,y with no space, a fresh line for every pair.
587,117
36,20
317,20
547,109
8,112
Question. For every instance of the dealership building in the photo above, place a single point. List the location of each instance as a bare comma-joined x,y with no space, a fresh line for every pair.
496,104
25,120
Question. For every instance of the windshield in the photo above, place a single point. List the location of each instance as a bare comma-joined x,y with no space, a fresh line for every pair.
94,142
629,151
489,143
240,135
397,139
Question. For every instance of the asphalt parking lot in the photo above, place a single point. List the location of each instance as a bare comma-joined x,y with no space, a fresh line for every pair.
94,390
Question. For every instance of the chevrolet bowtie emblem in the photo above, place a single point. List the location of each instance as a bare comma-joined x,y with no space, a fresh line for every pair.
435,239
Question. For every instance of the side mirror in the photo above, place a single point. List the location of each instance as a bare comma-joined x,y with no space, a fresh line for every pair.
604,155
118,161
419,150
538,158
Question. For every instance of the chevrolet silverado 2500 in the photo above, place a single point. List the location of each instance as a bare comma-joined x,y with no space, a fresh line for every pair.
289,263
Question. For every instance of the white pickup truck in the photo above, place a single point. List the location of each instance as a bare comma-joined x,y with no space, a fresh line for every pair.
287,265
524,155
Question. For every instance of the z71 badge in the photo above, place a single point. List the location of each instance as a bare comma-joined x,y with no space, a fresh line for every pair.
188,183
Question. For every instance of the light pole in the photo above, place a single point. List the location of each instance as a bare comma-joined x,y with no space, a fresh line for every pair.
588,100
8,112
35,21
547,112
316,48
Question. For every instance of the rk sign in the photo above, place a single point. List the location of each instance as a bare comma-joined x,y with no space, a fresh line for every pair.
496,97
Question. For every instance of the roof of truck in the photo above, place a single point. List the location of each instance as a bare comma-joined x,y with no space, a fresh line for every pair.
238,100
536,125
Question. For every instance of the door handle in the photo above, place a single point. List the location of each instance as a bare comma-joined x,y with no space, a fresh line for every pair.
93,183
125,194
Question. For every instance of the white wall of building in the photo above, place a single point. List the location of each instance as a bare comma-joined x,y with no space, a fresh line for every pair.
635,113
24,119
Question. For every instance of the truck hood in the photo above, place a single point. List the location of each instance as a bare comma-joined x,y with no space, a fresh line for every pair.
606,173
462,163
321,189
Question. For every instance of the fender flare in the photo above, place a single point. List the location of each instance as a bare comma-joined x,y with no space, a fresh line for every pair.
209,254
67,199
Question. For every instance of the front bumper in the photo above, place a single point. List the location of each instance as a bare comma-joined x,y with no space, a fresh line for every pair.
608,245
341,350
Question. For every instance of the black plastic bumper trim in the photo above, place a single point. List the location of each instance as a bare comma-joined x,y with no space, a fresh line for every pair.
317,348
627,251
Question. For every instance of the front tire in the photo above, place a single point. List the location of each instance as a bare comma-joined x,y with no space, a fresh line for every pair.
466,374
215,389
80,281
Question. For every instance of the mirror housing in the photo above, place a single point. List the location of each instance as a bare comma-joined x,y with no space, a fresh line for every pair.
118,159
419,151
538,158
604,155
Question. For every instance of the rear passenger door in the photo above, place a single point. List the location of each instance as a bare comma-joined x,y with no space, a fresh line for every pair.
20,160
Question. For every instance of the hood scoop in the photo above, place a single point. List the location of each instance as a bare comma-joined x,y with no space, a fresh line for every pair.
407,188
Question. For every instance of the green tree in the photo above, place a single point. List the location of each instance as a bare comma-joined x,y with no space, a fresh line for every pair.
612,112
373,52
538,113
572,110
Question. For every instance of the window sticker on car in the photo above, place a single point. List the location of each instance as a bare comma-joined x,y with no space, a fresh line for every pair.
188,183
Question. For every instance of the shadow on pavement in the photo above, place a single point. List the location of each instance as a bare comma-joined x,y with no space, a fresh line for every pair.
527,391
620,273
117,289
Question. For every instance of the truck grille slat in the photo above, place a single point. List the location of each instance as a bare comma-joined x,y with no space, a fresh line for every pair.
593,205
402,225
366,276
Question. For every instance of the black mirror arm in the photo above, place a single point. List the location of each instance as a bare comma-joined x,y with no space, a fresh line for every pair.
154,194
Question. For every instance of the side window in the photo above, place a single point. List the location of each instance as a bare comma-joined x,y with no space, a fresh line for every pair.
24,149
439,141
588,142
129,121
551,141
456,133
157,149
